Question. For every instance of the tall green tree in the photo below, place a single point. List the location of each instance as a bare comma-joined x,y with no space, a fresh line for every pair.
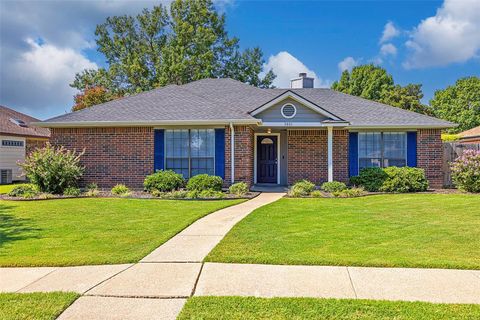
375,83
367,81
170,46
459,103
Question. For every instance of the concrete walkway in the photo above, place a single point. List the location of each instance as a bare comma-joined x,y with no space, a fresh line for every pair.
158,286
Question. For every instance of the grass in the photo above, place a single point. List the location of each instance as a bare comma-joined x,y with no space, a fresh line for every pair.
413,230
6,188
244,308
34,306
92,230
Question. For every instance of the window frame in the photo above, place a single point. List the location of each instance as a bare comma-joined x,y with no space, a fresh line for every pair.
189,151
382,148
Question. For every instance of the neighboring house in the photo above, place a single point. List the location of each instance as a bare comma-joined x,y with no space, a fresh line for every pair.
470,136
17,138
243,133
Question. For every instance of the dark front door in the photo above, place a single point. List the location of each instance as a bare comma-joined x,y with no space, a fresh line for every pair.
267,159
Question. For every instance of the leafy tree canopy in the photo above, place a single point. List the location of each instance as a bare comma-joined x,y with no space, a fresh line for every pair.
459,103
162,46
375,83
92,96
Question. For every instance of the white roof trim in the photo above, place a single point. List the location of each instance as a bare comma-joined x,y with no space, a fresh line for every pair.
290,124
76,124
299,99
406,126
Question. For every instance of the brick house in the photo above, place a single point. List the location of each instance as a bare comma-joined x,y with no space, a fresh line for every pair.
17,139
243,133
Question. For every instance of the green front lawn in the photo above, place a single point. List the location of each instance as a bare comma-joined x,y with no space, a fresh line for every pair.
34,306
93,230
308,308
413,230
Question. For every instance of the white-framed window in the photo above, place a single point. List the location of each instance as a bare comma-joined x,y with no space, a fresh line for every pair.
288,111
12,143
190,151
382,149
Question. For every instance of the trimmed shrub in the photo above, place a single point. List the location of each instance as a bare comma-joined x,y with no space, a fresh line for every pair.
302,188
349,193
466,171
333,186
211,194
163,181
371,179
316,194
53,169
239,189
72,191
204,182
404,179
91,186
179,194
121,190
24,191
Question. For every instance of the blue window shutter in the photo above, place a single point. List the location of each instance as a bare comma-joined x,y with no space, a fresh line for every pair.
159,149
220,152
353,154
411,149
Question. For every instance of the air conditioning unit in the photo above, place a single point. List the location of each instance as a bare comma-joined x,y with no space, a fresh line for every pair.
5,176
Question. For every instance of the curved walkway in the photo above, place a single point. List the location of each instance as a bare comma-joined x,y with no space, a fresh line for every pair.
158,286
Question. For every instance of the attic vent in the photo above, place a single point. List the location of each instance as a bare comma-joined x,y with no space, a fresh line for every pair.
289,111
18,122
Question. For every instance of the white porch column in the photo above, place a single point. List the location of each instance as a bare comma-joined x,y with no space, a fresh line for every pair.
330,153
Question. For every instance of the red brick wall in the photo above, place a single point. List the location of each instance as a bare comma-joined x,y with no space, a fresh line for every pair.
307,155
244,148
112,155
430,155
340,155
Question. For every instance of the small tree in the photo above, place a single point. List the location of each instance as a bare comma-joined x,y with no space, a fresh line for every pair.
53,169
466,171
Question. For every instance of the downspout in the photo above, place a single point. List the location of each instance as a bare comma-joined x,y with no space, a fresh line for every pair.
232,153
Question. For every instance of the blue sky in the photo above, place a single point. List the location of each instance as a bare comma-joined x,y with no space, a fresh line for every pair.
433,43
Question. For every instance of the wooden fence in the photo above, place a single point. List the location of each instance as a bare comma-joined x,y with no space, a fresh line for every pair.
451,151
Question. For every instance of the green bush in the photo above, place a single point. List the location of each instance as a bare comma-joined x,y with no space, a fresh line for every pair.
53,169
211,194
316,194
349,193
204,182
24,191
466,171
92,193
239,189
179,194
371,179
72,191
302,188
91,186
333,186
404,179
121,190
163,181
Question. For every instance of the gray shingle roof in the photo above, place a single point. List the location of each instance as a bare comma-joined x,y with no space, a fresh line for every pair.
226,100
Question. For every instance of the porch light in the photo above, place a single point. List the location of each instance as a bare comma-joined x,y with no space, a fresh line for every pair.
269,130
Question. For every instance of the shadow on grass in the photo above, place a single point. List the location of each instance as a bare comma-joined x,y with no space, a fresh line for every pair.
13,228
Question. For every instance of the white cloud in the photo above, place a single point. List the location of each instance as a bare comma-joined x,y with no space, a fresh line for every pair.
286,67
389,32
347,64
452,35
39,77
388,49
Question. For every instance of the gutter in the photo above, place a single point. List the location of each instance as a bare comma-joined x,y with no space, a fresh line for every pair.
232,153
77,124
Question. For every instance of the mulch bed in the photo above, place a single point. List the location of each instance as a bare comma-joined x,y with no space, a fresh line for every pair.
132,195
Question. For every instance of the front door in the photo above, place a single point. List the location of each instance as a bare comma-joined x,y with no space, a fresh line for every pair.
267,159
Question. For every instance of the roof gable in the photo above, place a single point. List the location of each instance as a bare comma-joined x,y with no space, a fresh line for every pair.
22,127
